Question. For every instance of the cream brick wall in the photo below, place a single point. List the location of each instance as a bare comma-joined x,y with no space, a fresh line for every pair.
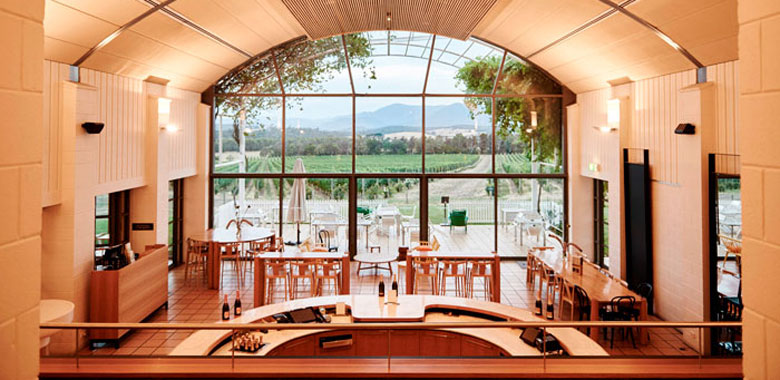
21,126
759,53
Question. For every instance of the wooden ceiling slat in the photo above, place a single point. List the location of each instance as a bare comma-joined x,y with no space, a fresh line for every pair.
453,18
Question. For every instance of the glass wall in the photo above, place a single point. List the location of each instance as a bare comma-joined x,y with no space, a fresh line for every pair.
418,128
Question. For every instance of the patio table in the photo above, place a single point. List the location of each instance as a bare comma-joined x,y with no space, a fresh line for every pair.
218,236
260,268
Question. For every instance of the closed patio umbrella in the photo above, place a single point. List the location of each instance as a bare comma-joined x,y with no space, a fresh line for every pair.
296,210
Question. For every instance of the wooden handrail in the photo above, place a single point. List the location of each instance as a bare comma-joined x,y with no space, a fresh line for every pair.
382,326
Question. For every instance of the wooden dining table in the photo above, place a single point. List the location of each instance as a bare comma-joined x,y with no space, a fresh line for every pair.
295,255
215,237
601,289
495,269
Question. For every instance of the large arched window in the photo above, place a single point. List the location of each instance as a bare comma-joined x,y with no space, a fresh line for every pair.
396,128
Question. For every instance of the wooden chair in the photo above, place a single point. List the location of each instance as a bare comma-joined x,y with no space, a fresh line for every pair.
256,248
231,252
326,271
275,271
581,306
300,271
548,277
197,254
456,270
481,269
733,247
566,296
426,269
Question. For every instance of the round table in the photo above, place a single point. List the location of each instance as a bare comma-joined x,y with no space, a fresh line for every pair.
216,236
374,260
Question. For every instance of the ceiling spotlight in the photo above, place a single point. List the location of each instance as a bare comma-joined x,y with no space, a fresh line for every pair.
389,18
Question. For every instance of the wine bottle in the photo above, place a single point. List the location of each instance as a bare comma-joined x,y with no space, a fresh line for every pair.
393,297
237,305
382,288
225,310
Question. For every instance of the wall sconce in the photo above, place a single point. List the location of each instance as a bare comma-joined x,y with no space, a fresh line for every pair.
164,115
594,167
613,117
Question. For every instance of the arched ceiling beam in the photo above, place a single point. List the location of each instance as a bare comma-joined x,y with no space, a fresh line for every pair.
119,31
663,36
577,30
194,26
162,7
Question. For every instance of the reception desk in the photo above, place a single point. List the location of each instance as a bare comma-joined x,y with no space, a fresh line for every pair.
440,342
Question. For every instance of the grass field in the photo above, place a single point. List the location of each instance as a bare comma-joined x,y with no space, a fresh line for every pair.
386,163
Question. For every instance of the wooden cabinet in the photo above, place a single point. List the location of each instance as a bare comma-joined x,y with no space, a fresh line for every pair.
374,343
371,343
477,347
129,294
298,347
439,343
405,343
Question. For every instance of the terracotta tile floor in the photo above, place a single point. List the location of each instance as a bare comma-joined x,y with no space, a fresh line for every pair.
190,301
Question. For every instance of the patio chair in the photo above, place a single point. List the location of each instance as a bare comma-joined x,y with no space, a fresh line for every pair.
459,218
324,239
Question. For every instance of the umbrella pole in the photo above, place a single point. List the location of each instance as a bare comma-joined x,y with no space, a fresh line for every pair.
299,233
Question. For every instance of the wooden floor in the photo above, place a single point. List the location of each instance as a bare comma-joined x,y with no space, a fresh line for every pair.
190,301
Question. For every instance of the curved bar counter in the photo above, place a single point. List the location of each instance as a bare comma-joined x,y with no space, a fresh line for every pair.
411,308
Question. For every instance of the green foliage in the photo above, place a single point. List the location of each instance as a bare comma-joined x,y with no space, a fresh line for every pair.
303,66
513,114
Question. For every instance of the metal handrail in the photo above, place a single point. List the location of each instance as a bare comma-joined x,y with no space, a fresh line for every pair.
382,325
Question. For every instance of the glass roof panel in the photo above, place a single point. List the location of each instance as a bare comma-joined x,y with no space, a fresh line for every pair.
315,66
471,60
389,62
389,74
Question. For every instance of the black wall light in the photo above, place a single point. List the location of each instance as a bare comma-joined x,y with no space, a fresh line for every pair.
93,128
685,129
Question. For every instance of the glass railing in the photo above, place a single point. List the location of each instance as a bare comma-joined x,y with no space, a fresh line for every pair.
544,346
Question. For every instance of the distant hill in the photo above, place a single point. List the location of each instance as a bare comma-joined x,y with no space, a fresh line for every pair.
394,118
399,118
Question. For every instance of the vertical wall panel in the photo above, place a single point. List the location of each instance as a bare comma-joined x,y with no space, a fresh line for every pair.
121,145
182,144
53,74
654,118
724,76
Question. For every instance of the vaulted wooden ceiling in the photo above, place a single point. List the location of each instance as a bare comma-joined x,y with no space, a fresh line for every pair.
583,43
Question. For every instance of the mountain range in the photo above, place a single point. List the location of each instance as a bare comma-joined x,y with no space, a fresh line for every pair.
396,118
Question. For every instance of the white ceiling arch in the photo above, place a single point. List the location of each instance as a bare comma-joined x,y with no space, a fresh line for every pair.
583,43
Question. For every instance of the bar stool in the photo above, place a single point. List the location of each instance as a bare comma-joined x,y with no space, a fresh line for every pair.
457,270
275,271
197,253
256,248
301,270
426,268
231,252
326,271
481,269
